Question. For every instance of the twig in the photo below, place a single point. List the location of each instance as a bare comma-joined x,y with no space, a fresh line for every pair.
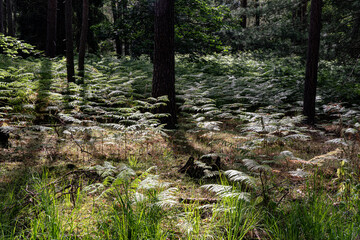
81,149
201,201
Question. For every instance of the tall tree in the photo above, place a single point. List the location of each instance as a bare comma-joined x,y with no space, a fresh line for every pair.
83,37
2,16
257,13
164,60
10,22
51,28
116,17
312,61
125,28
243,17
69,41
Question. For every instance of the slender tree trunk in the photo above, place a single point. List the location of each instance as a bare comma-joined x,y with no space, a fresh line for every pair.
164,59
356,27
312,61
83,37
2,30
69,41
115,12
303,11
124,19
243,17
257,15
51,28
10,23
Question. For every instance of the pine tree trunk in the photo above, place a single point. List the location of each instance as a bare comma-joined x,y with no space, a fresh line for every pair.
257,15
115,12
10,23
124,19
83,37
312,61
69,41
356,27
51,28
164,60
243,17
2,16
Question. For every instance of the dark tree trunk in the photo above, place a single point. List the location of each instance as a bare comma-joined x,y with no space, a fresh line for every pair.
312,62
303,11
83,37
115,12
164,60
356,27
243,17
10,23
51,28
257,15
124,19
69,41
2,16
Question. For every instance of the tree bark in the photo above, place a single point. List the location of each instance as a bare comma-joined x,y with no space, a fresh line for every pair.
303,11
257,15
356,27
51,28
83,37
10,23
2,16
69,41
243,17
124,19
115,12
164,59
312,62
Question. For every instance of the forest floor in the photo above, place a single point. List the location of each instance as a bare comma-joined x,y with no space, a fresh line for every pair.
91,161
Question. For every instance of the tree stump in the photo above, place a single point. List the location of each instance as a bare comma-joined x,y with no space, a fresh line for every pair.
4,138
207,166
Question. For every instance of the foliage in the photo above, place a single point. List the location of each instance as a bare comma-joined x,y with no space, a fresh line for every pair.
13,47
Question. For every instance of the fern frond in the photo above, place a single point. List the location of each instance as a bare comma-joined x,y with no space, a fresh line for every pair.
253,165
238,176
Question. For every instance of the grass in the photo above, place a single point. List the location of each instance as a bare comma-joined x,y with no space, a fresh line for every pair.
92,162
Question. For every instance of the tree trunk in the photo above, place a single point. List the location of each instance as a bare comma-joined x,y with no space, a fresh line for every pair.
164,59
10,23
243,17
356,27
257,15
69,41
124,19
51,28
115,12
312,61
2,16
303,11
83,37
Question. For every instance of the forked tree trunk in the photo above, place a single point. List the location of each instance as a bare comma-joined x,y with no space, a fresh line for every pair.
312,62
2,16
164,60
69,41
51,28
243,17
83,37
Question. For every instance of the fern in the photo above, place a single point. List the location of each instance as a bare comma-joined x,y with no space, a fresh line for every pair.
237,176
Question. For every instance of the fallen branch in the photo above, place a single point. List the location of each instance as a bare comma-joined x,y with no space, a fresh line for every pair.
200,201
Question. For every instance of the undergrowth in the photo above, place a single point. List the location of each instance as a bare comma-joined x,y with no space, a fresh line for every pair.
92,161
